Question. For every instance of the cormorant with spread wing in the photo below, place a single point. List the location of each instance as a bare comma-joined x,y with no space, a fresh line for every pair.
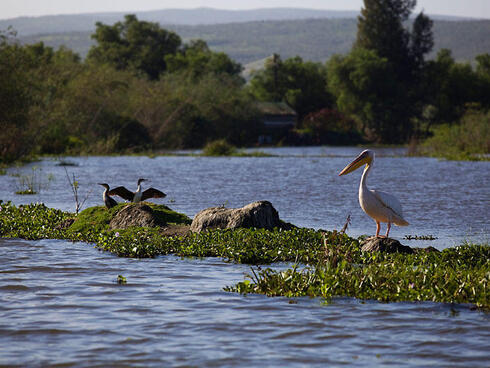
139,195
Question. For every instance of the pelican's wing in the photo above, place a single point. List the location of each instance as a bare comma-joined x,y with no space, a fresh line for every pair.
122,192
391,202
152,193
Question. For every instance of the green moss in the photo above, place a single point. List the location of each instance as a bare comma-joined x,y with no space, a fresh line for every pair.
95,218
168,216
98,218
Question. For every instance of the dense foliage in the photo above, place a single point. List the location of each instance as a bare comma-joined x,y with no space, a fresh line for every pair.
379,80
302,85
142,89
335,264
132,44
54,103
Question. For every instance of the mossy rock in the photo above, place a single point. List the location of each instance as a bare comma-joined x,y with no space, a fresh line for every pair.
98,218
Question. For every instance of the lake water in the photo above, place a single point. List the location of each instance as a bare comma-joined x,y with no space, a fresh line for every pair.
60,303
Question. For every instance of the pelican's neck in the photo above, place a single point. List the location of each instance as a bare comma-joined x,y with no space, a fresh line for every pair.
363,184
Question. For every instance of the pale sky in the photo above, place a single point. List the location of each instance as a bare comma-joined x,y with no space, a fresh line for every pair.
17,8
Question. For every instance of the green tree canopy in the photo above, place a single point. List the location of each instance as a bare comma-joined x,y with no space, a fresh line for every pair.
453,87
14,99
379,82
133,44
365,87
300,84
197,60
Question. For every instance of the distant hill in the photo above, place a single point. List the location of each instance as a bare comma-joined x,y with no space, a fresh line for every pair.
312,39
26,26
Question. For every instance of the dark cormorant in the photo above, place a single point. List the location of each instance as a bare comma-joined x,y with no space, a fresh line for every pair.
137,196
108,200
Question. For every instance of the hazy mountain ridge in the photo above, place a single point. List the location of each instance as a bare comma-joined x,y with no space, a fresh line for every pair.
312,39
26,26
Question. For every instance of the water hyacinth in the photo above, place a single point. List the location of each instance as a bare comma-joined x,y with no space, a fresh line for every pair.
332,263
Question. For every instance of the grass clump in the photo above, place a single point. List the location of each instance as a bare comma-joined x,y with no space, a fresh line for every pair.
219,147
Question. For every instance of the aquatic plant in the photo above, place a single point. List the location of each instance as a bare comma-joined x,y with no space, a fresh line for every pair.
326,263
75,186
456,275
33,182
420,237
121,280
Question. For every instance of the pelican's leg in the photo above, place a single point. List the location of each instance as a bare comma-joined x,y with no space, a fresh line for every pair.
388,229
378,227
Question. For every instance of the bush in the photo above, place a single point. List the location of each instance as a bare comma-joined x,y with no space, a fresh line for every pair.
467,140
219,147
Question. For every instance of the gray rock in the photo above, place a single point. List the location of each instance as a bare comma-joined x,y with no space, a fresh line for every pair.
387,245
136,214
257,214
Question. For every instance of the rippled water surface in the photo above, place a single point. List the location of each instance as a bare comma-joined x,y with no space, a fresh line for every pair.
60,303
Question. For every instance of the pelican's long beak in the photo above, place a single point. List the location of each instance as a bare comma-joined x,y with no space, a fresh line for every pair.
360,160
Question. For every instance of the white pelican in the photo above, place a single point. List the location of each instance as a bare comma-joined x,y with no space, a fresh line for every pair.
137,196
381,206
108,200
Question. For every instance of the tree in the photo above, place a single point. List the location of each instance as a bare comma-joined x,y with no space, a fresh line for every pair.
302,85
380,28
453,87
365,87
133,44
389,104
15,99
196,59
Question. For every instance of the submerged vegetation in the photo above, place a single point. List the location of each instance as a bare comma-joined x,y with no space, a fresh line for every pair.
332,263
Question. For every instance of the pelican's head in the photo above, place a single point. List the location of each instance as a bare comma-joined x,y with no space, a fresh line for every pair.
141,180
365,157
104,185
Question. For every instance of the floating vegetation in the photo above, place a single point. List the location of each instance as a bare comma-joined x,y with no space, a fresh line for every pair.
420,237
33,182
121,280
456,275
26,192
332,263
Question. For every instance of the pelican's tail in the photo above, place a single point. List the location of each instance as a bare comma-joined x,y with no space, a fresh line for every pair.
399,221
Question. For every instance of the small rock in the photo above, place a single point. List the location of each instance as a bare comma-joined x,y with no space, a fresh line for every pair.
429,249
136,214
259,214
388,245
